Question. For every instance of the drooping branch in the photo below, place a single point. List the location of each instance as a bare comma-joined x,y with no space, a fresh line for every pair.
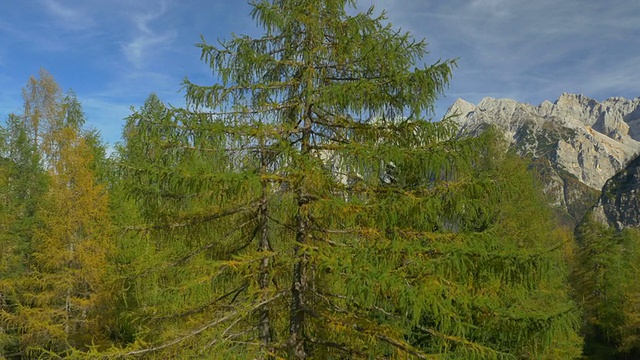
200,329
191,221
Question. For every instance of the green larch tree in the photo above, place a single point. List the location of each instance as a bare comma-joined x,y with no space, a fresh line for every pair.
605,280
302,207
170,247
23,185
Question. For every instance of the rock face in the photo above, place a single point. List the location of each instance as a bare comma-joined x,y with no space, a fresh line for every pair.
576,143
619,204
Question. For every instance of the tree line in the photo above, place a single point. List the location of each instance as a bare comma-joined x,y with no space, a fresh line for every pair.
302,206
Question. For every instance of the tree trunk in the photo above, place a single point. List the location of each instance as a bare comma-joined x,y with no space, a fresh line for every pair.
300,281
263,277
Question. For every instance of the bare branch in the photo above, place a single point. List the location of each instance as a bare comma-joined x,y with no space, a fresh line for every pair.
234,292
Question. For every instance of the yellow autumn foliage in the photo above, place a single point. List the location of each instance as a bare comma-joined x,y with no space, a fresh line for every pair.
64,296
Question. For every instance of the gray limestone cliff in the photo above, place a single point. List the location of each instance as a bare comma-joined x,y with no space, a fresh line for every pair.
576,144
619,204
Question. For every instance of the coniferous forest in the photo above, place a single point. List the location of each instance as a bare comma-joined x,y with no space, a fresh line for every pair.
302,205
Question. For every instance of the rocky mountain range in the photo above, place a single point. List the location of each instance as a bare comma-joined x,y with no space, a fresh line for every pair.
576,145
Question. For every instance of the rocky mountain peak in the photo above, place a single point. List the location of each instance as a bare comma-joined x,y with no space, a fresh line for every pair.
462,107
576,136
588,139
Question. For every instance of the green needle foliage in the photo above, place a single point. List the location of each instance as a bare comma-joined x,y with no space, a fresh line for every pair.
302,207
606,282
22,186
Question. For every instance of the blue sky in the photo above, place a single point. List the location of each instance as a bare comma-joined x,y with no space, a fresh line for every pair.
114,53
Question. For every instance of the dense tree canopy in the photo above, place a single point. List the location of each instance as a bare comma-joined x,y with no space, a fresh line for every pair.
302,206
56,228
606,282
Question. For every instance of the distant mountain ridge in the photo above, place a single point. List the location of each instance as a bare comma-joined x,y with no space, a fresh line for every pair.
576,143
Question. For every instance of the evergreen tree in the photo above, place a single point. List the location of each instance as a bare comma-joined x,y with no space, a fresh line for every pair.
158,158
23,184
59,301
302,207
605,280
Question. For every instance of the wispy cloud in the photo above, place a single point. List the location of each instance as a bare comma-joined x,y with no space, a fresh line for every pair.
73,18
532,50
115,52
146,38
492,8
621,76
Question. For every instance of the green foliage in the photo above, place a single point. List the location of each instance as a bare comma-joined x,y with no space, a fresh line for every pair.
605,279
302,207
22,185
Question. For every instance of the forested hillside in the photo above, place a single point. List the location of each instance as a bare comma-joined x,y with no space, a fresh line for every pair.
302,205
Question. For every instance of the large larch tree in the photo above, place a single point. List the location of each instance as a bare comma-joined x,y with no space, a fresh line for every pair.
303,207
